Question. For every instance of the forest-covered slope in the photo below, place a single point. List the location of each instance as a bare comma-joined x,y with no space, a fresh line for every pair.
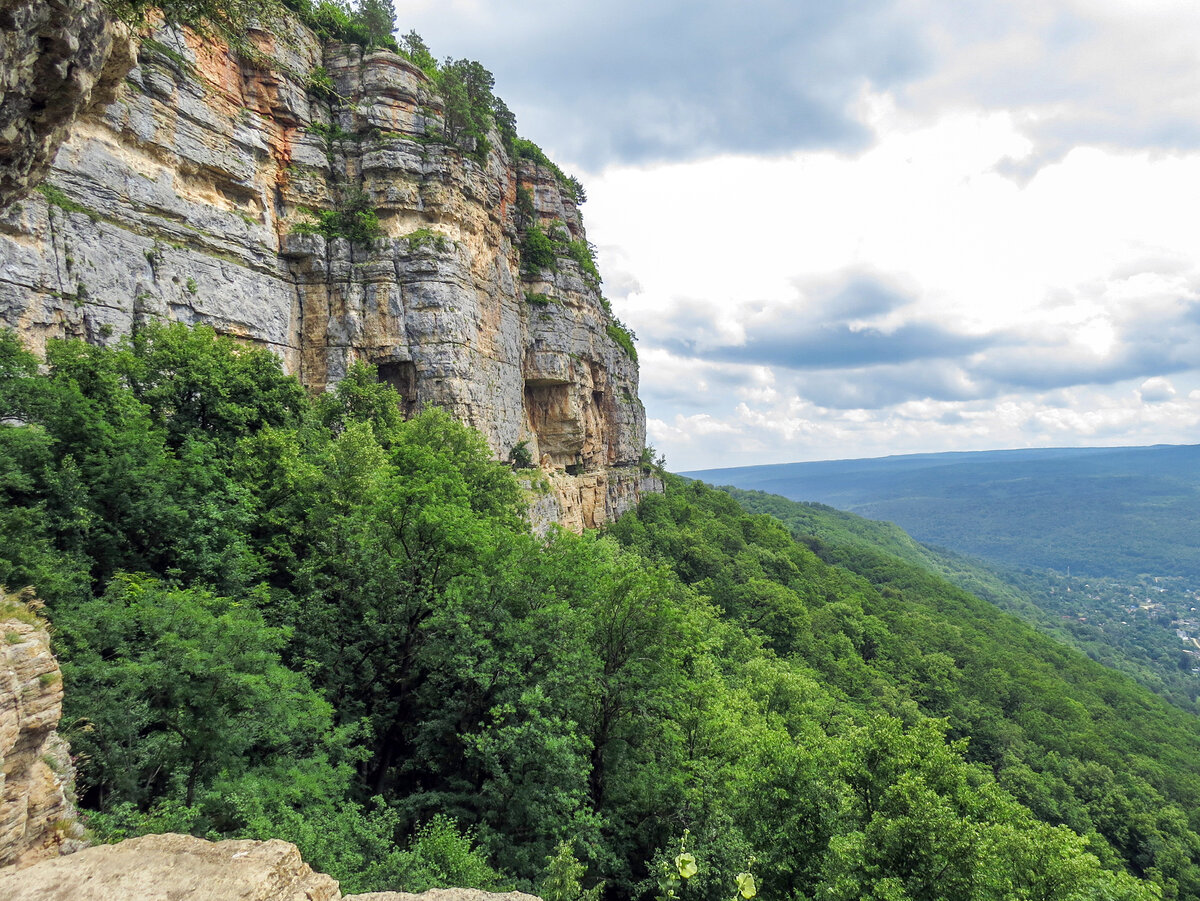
314,620
1140,642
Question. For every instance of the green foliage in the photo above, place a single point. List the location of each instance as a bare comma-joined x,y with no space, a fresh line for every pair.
355,220
441,856
320,83
378,20
537,251
228,18
563,877
426,237
55,196
542,248
417,51
541,300
651,460
316,620
367,25
506,123
520,457
526,212
880,640
623,338
524,149
468,104
584,253
177,685
575,189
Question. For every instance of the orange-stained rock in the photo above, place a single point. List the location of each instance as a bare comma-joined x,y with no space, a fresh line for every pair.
183,196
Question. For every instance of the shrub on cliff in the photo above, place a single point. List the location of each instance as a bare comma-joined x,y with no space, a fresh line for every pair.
537,250
354,219
230,18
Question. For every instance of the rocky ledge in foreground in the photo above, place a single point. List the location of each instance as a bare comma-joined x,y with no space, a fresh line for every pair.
161,867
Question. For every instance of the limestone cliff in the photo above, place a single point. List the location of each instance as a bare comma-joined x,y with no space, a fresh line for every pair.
58,58
180,200
37,818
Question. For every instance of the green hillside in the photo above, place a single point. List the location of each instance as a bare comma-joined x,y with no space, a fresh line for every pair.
1141,643
310,619
1108,512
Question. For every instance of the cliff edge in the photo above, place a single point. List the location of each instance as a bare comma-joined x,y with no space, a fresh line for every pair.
192,194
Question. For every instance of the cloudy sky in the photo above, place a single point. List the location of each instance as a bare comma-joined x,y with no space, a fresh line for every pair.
852,228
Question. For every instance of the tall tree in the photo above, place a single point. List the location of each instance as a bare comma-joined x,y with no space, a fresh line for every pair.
378,19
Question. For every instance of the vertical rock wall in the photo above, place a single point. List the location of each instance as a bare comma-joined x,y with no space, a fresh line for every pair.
180,200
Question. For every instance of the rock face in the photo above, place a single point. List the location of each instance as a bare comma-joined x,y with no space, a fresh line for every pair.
57,59
36,815
162,867
167,867
180,200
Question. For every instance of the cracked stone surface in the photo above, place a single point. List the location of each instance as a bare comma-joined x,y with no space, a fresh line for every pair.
178,199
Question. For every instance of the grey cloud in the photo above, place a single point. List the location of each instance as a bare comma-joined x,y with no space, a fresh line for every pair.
885,386
1153,346
823,328
1156,390
631,81
705,388
1099,77
837,346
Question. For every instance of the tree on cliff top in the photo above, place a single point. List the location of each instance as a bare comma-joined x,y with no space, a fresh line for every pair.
378,18
466,89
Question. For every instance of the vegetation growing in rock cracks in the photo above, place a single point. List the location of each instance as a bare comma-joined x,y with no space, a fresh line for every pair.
385,666
355,220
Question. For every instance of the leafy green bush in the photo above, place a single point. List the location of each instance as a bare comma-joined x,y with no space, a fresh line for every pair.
562,880
427,237
355,220
440,855
520,457
623,337
320,83
537,251
524,149
584,253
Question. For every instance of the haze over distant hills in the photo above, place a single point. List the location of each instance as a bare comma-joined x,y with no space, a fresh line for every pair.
1117,512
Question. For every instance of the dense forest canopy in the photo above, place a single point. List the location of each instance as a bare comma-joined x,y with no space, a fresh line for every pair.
383,664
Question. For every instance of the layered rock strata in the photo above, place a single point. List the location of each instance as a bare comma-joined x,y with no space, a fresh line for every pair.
181,200
58,58
37,818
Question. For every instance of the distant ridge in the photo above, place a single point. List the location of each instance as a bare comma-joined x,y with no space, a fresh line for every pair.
1115,511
